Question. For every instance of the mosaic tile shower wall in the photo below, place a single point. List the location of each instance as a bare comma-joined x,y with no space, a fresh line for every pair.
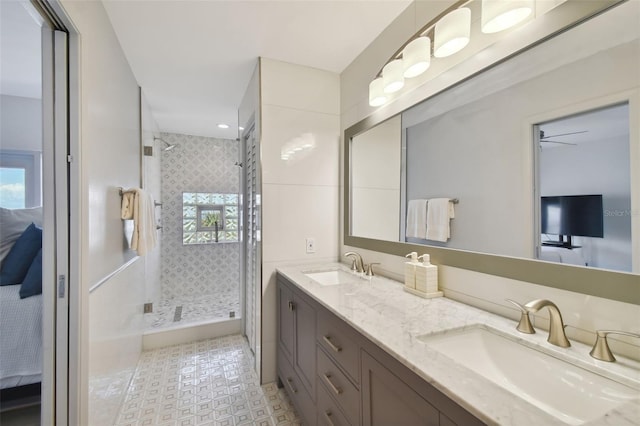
197,164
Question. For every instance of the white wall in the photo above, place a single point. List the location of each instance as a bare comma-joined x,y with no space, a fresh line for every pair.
110,325
299,195
583,314
21,125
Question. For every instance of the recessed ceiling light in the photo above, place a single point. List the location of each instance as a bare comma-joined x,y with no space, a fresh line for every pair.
240,128
223,126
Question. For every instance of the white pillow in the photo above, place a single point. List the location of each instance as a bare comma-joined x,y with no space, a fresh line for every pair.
13,222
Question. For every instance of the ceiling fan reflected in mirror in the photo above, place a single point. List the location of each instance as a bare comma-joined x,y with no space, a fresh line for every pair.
547,139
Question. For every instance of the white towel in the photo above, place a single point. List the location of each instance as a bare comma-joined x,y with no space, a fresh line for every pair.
417,219
126,210
439,213
144,223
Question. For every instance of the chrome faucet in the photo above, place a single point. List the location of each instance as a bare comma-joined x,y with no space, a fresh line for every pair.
601,349
358,264
556,326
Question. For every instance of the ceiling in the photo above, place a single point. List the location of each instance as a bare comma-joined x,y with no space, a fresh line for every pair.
20,44
194,59
592,126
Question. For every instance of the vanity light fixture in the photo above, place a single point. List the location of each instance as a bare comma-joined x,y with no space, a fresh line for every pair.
416,57
392,76
452,33
498,15
376,93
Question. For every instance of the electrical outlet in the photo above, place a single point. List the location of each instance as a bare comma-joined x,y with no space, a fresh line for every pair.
311,245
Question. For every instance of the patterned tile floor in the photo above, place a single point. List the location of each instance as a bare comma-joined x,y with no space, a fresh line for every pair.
194,309
210,382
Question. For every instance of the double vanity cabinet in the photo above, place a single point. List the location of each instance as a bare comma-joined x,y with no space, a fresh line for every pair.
357,350
337,376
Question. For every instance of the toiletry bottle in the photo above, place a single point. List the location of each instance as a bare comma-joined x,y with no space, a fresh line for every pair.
427,276
410,270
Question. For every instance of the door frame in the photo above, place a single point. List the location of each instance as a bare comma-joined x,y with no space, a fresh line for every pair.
68,318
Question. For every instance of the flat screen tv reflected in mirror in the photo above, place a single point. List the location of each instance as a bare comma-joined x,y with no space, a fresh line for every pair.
571,216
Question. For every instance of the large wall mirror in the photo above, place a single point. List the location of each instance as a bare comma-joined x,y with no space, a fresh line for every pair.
532,166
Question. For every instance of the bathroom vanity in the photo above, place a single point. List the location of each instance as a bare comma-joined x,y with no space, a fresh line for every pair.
360,351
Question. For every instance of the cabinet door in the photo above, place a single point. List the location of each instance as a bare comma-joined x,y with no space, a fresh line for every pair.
285,320
305,344
387,400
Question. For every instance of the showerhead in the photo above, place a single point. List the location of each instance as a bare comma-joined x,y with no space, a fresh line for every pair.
168,146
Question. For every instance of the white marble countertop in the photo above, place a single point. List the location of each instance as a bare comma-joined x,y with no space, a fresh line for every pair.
393,319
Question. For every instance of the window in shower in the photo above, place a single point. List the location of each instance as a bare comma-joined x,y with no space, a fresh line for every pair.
209,218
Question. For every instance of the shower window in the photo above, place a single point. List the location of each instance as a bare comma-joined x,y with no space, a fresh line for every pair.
209,218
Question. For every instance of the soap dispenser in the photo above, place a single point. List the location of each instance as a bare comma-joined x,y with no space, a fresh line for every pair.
427,278
410,270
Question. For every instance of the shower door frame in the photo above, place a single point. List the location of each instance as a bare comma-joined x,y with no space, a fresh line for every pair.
251,320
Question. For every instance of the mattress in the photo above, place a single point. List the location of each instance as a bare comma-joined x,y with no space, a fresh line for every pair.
20,338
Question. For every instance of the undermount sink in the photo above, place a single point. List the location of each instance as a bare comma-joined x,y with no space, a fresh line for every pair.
331,277
569,393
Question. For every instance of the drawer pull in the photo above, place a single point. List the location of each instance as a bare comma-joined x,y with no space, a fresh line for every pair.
327,416
337,390
290,381
292,306
335,348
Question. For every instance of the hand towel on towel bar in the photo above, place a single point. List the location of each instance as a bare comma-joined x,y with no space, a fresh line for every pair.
417,219
439,213
126,210
144,236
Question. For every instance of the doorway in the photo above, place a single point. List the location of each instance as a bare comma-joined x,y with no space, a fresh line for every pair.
584,190
34,224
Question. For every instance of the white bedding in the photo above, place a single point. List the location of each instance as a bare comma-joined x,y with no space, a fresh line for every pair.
20,338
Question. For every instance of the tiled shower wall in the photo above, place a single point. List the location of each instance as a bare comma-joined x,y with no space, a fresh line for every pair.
197,164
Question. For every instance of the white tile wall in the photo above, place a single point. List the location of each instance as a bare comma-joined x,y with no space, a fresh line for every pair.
299,196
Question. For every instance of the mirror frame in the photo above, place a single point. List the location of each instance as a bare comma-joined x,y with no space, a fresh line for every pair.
619,286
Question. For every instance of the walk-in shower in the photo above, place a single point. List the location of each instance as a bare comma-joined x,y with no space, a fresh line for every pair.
200,240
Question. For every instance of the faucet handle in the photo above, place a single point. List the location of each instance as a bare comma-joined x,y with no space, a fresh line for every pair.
601,349
524,326
369,272
354,265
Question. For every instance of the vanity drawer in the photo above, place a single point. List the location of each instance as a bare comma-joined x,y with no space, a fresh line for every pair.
297,392
329,413
339,387
341,342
